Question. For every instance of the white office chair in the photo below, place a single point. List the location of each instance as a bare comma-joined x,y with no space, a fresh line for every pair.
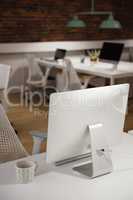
37,80
10,145
69,79
4,79
71,82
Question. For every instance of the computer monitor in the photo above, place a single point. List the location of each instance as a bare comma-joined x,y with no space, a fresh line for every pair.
59,54
71,112
111,51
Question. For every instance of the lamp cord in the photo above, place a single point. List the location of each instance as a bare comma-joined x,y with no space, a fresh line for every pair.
92,6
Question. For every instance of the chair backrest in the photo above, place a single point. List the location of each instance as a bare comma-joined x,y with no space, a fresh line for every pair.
4,76
10,145
34,71
45,71
72,76
60,54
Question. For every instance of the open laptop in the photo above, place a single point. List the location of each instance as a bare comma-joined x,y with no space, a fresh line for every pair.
110,55
111,52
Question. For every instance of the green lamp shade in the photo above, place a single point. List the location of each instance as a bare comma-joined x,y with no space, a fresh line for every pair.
110,23
76,23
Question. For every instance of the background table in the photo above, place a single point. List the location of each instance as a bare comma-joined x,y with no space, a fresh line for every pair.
124,69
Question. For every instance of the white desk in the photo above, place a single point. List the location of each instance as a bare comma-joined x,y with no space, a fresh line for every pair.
60,184
124,69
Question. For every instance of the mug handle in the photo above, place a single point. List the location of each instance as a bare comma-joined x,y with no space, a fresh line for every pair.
36,167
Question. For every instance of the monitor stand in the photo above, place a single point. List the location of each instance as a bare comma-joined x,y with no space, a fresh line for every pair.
101,161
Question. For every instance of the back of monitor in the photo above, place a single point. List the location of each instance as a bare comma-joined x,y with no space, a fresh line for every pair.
71,112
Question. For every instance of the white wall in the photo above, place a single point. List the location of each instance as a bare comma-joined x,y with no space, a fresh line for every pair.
51,46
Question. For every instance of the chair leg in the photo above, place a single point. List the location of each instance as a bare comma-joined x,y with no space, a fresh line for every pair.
30,102
26,96
44,97
36,145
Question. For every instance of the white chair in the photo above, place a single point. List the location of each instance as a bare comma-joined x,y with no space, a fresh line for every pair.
37,80
10,145
4,79
69,79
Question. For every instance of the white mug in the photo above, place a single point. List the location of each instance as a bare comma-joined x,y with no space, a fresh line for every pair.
60,61
25,171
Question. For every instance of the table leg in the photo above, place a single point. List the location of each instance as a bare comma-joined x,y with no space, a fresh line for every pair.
107,82
112,81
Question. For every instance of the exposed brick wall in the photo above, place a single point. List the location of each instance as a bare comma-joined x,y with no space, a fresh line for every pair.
45,20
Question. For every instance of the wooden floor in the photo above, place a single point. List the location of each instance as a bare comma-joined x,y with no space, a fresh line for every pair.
25,121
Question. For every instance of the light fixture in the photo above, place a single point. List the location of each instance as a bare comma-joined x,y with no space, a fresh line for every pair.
109,23
76,23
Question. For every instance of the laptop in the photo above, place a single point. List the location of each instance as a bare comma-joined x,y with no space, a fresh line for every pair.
110,55
111,52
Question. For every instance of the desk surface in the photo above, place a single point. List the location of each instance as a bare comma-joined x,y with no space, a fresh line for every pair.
58,184
124,69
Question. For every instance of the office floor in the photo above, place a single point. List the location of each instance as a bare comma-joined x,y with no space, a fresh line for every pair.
24,121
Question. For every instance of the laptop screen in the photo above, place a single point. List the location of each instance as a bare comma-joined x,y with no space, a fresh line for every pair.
111,51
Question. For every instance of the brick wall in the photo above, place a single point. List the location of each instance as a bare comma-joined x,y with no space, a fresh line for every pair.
45,20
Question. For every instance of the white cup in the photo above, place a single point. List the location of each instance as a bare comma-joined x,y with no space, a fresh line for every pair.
60,61
25,171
